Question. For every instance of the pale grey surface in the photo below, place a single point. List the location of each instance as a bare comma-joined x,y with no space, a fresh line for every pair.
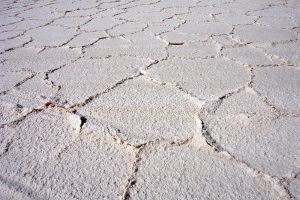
53,159
36,60
149,99
207,79
294,187
144,111
87,77
248,129
278,84
185,172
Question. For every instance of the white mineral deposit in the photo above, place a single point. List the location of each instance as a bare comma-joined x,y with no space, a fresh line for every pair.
149,100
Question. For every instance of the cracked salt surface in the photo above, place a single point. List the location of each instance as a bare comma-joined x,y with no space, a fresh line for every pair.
155,99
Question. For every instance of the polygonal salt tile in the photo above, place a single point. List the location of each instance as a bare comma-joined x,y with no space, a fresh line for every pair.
147,17
10,44
32,59
235,19
37,89
85,39
239,7
94,164
9,79
205,28
224,40
196,17
7,28
50,35
280,86
143,112
178,37
45,158
107,13
158,29
147,47
29,144
163,27
10,34
175,3
127,28
277,22
208,9
148,6
20,100
13,108
43,13
250,56
71,22
207,78
101,24
142,38
9,20
87,77
248,129
176,10
272,11
288,51
186,172
261,34
26,24
82,12
194,50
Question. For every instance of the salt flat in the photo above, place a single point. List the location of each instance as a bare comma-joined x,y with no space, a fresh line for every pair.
149,99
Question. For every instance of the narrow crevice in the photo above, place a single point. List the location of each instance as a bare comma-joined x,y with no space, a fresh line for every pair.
91,98
83,121
19,120
6,148
191,96
209,139
133,178
19,83
176,43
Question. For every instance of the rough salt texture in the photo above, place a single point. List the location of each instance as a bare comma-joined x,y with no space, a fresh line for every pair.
250,56
50,159
278,84
294,187
94,76
36,60
143,111
149,99
246,127
30,95
9,80
207,78
185,172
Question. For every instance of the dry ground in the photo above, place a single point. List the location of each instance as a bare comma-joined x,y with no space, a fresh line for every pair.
149,99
